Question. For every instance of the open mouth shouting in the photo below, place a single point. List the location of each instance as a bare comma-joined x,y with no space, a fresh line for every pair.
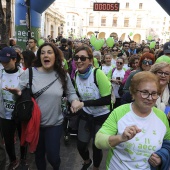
47,58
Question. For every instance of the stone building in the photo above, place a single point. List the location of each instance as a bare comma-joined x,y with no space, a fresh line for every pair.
142,18
52,21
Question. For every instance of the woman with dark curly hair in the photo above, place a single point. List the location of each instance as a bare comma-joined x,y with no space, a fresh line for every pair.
48,70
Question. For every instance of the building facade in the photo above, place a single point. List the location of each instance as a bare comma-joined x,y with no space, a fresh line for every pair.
141,18
52,22
76,19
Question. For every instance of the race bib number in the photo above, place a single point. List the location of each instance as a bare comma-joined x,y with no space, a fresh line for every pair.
9,105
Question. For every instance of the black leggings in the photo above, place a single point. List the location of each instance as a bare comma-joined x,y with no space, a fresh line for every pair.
84,137
8,131
84,152
2,155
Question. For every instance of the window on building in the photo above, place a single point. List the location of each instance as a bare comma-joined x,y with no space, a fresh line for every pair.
114,22
91,3
138,23
91,21
127,5
67,23
103,21
140,5
73,17
126,22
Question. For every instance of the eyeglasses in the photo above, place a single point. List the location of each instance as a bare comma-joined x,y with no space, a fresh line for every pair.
114,50
146,94
30,42
147,62
82,58
161,73
119,63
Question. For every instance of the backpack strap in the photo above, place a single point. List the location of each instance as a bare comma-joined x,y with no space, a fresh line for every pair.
113,70
95,81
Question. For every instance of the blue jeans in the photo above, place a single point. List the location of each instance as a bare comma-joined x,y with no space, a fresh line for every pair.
49,146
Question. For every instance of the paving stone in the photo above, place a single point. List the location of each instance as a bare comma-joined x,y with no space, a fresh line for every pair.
70,158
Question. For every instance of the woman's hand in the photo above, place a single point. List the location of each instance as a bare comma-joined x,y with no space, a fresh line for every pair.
13,91
114,81
76,105
154,160
129,133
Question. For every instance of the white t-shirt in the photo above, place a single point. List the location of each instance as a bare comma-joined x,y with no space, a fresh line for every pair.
106,69
113,62
89,91
134,153
117,73
9,80
126,67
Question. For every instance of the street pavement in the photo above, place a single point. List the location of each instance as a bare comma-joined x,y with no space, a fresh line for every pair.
70,158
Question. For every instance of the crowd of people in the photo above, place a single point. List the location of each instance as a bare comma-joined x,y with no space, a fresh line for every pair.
121,95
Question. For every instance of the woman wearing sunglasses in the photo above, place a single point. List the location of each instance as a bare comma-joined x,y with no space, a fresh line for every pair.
96,98
145,63
162,71
137,134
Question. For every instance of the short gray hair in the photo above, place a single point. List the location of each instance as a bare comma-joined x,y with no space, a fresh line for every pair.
97,53
157,66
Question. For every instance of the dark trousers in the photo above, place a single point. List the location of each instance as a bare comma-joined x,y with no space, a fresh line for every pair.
2,155
49,146
117,103
85,134
8,131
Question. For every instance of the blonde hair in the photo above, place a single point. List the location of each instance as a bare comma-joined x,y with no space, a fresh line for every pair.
143,76
157,66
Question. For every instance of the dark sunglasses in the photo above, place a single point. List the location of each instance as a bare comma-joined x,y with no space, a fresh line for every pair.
147,62
82,58
119,63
